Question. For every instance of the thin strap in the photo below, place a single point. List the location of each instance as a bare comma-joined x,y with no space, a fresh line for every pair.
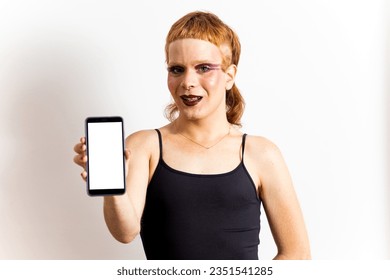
243,146
159,142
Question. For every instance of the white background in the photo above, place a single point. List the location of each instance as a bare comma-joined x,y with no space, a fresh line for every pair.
315,76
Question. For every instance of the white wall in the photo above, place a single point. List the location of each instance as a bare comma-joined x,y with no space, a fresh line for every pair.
314,75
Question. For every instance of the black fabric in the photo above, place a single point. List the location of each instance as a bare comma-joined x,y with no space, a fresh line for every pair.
192,216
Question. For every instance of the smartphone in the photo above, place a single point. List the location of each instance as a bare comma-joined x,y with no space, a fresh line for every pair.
106,158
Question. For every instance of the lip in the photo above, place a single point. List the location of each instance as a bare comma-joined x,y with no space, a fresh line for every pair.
191,100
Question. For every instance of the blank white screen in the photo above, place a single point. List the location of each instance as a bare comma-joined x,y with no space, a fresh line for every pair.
105,156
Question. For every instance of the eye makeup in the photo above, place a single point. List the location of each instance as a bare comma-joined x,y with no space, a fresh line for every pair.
175,69
206,67
209,66
200,68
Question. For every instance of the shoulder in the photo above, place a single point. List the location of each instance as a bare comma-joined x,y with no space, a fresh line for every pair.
142,135
142,140
261,148
264,156
267,161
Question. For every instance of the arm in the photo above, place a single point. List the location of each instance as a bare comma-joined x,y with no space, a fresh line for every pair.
280,202
123,213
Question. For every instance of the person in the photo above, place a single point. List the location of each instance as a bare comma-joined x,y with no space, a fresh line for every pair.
195,185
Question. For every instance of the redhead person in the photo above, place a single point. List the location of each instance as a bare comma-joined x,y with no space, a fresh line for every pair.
195,185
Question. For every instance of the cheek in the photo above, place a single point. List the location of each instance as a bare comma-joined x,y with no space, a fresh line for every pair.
212,81
172,84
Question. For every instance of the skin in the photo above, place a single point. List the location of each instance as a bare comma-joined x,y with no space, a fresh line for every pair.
195,70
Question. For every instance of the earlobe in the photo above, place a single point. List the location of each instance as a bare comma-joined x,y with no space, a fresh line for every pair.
230,76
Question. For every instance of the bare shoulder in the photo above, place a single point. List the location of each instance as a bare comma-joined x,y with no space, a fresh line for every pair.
266,163
264,158
144,140
262,149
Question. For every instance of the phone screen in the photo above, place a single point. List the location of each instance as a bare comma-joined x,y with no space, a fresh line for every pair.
105,152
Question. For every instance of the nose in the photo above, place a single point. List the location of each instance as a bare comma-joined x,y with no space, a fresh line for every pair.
190,79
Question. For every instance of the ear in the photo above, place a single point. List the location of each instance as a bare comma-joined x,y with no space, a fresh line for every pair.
230,72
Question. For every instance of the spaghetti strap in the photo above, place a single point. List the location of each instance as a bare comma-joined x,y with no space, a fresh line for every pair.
159,142
243,146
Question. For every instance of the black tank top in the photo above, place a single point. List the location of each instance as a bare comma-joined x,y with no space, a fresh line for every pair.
201,216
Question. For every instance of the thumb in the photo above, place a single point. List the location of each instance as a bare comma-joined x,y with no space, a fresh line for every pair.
127,154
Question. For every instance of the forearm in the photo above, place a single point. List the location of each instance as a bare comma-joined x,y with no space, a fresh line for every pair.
292,257
121,218
303,254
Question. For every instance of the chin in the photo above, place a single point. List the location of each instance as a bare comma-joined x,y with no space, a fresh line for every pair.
191,115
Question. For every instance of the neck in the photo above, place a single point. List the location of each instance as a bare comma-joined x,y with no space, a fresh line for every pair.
206,141
203,131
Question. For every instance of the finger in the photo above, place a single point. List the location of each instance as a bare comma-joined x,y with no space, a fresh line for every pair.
84,175
80,147
127,154
76,159
77,147
80,159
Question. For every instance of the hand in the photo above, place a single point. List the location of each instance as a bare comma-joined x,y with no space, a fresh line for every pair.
81,157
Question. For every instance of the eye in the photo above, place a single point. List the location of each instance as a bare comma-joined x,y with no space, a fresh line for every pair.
175,70
204,68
